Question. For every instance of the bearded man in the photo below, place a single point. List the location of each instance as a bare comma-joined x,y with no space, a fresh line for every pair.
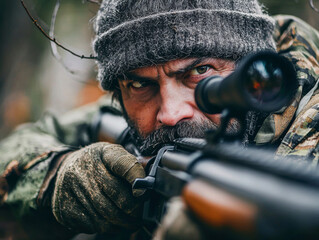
151,55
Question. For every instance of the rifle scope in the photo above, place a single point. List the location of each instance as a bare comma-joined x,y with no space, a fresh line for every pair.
263,81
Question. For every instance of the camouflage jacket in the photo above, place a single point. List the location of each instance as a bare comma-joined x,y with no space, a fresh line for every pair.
28,155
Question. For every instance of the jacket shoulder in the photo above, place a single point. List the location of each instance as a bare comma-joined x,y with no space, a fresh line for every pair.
292,33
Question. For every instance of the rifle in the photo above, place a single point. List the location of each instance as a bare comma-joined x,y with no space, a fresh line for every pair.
227,186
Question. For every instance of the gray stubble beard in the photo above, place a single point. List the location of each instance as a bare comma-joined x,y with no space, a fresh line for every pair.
150,144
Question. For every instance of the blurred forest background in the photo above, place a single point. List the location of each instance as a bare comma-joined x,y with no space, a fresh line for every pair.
33,81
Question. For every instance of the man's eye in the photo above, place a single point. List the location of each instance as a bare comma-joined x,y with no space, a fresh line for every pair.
199,70
139,86
136,84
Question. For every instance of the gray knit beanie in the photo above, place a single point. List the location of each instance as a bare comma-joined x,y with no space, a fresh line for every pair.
137,33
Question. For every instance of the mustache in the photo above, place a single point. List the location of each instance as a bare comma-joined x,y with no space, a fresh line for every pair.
166,134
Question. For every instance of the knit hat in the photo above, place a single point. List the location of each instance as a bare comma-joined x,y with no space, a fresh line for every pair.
136,33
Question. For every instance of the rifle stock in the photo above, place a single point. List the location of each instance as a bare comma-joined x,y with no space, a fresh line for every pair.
219,208
268,199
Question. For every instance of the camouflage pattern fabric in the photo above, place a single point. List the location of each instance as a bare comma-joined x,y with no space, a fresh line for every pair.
299,42
28,155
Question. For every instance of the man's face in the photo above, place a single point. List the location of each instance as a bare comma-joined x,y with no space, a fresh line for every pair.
162,96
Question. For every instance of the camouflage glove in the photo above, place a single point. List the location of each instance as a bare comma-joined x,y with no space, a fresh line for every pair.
93,191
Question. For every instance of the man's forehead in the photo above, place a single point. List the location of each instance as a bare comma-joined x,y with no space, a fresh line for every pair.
177,66
169,66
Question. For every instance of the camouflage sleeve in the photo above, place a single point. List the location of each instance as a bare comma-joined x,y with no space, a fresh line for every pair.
299,42
302,140
29,154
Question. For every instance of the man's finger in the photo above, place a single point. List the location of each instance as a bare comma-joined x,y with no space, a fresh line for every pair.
123,164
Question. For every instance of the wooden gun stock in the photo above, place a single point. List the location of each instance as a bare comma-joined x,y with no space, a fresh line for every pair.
219,208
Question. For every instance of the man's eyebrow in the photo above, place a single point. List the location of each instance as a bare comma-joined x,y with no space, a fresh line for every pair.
187,68
134,77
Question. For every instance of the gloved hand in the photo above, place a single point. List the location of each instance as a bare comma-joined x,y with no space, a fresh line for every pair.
93,190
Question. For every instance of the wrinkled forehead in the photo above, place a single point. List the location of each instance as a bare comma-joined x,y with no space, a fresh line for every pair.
169,67
181,66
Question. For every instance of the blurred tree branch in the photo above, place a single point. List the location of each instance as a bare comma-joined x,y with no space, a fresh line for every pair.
54,48
312,5
94,1
35,22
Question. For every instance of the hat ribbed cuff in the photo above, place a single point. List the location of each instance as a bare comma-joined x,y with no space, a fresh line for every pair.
190,33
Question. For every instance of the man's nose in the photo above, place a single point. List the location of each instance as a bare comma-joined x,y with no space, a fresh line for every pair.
176,105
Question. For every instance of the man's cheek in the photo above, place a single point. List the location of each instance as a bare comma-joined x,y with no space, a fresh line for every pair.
145,127
143,120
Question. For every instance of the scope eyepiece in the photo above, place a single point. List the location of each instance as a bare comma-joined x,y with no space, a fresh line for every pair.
263,81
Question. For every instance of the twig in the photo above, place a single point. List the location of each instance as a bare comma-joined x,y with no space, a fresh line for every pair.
94,1
35,22
52,26
54,48
312,5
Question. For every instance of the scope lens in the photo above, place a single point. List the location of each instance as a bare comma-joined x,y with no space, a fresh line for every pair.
264,81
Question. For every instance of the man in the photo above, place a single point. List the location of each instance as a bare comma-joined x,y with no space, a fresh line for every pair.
151,54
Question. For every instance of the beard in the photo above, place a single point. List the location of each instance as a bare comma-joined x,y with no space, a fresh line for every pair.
150,144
